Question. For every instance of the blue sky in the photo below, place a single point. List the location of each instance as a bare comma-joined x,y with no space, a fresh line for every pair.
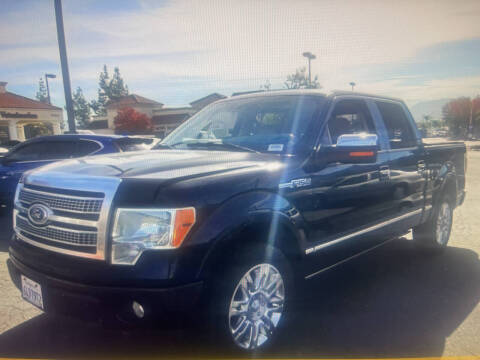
178,51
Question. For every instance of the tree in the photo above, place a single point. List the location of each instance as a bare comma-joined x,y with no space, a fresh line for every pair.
81,109
132,121
98,106
42,92
460,113
117,87
267,86
108,89
299,80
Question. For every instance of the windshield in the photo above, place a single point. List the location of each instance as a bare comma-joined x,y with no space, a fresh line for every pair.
275,124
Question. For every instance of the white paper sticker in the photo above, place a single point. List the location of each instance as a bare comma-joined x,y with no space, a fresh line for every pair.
275,147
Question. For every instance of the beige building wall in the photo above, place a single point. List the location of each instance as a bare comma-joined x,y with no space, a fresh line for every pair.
16,122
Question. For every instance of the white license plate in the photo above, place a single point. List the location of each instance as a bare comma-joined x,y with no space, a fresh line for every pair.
32,292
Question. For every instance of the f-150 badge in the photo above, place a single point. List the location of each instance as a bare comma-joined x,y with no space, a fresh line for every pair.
296,183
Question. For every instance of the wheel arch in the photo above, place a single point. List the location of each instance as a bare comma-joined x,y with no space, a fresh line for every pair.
260,225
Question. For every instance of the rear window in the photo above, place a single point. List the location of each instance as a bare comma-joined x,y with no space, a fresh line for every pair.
398,126
87,147
134,144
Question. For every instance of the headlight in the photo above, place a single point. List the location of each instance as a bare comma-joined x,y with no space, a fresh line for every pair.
137,230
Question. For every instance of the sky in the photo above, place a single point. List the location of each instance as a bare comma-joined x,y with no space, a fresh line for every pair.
178,51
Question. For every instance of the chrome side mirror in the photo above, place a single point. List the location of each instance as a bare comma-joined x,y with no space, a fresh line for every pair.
357,140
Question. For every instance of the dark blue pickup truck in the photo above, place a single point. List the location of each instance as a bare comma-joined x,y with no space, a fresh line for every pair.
248,198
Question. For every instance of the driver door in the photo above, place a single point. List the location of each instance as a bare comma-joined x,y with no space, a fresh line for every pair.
346,198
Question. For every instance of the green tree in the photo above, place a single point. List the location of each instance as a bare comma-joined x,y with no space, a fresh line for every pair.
299,80
42,92
117,87
108,89
98,106
81,109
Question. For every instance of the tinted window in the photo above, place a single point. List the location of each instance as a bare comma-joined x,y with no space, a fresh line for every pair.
398,126
48,150
86,147
350,117
133,144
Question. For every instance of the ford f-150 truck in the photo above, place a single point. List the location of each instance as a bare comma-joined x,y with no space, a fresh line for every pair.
251,196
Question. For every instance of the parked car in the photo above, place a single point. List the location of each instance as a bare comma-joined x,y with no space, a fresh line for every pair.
47,149
246,200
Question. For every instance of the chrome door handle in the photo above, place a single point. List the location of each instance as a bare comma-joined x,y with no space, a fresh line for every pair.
421,166
384,172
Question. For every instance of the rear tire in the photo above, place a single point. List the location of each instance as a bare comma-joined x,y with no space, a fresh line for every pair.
433,235
249,300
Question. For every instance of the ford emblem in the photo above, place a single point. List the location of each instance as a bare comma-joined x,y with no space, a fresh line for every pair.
38,214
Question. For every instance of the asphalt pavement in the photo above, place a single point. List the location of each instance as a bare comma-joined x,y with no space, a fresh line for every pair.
391,302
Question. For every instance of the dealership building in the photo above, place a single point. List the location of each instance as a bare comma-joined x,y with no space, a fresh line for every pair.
164,119
22,118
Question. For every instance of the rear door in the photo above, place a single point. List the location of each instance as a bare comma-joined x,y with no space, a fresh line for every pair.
406,165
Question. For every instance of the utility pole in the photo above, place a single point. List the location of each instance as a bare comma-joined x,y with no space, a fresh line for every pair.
64,62
310,57
51,76
352,84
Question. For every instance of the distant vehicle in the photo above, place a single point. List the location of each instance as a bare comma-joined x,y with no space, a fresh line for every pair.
44,150
247,199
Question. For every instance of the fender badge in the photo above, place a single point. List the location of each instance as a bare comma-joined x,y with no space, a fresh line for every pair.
296,183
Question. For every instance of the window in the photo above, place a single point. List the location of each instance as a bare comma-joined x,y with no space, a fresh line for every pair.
134,144
86,147
350,117
270,123
398,127
48,150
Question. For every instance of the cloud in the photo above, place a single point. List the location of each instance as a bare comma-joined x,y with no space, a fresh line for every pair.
186,48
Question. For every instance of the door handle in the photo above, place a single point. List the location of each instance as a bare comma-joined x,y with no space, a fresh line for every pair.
384,172
421,166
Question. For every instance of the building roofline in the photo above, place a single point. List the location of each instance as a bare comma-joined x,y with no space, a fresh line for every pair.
49,106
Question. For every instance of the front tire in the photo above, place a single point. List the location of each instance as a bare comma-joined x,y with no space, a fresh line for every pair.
249,301
435,233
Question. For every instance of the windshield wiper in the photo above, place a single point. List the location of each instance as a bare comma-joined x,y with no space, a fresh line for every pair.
162,146
211,143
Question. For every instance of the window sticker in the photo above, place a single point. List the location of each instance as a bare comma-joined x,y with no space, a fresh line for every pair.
275,147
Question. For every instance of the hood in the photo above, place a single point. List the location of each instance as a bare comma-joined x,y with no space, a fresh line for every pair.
160,164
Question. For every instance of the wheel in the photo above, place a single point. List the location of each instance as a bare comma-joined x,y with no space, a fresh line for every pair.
435,233
249,303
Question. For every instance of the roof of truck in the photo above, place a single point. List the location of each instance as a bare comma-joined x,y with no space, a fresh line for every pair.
314,92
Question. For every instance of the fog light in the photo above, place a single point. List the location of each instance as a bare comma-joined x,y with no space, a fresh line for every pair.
138,310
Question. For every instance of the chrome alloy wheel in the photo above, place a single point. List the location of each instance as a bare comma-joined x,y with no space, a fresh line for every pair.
256,306
444,222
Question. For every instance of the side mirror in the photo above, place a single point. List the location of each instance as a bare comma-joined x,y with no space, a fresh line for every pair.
353,149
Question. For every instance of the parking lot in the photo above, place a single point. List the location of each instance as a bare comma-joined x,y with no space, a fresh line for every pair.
392,302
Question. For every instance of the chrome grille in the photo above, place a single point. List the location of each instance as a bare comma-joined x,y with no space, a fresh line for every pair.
59,202
80,212
56,234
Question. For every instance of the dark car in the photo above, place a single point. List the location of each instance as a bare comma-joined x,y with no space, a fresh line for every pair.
44,150
246,200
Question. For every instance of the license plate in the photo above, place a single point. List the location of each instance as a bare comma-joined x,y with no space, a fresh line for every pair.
32,292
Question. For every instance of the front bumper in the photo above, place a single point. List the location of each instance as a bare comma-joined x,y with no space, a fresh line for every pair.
101,303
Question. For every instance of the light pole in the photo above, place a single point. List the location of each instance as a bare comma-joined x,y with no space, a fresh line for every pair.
64,62
51,76
352,84
310,57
